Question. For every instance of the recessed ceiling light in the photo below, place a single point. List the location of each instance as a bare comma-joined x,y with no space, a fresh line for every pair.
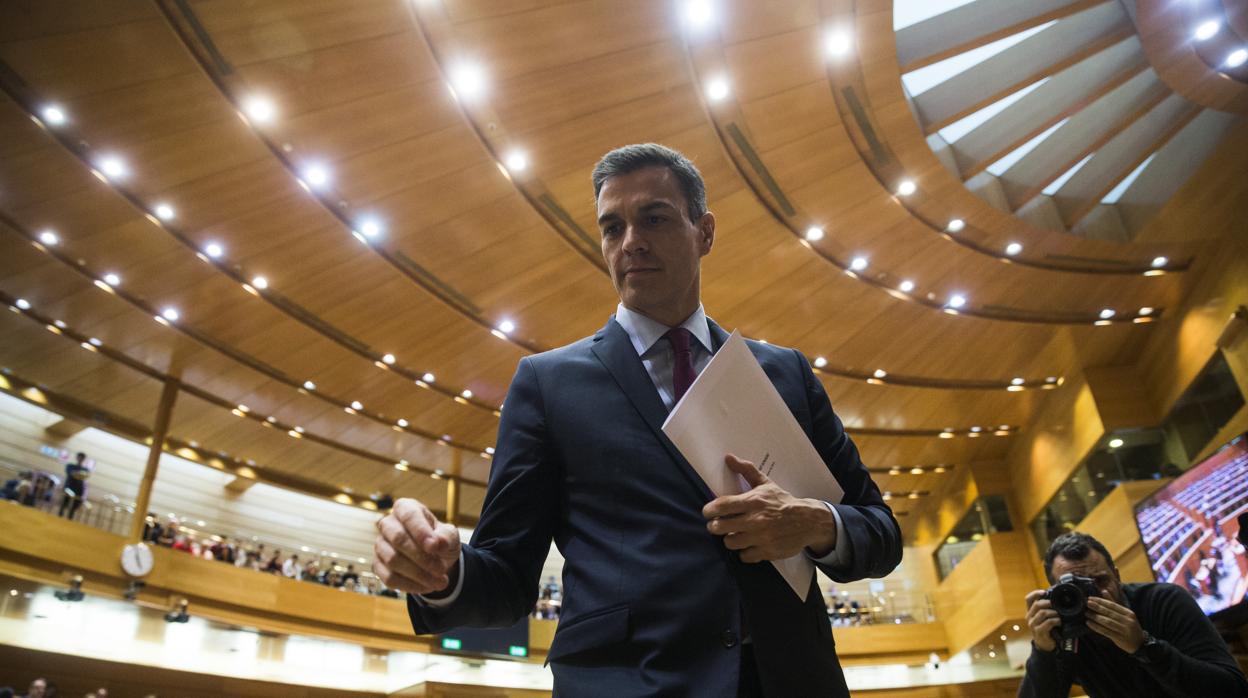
906,187
1107,313
516,161
957,300
214,250
858,263
49,238
309,385
355,405
95,342
838,42
1160,262
906,286
53,115
316,175
699,13
717,88
428,378
1145,311
260,282
112,279
467,81
1237,58
489,450
820,362
916,470
506,327
170,314
23,304
976,430
466,394
1017,381
955,225
259,109
113,167
370,227
814,234
1115,443
164,212
880,373
388,359
1013,248
402,422
1206,30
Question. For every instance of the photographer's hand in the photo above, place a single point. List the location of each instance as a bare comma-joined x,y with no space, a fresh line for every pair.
1042,619
1118,623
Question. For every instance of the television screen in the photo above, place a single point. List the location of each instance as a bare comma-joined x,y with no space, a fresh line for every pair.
1190,528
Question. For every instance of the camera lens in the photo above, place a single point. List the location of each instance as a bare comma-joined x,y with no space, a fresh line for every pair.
1067,599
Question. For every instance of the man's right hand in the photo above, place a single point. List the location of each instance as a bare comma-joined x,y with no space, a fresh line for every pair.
1042,620
414,552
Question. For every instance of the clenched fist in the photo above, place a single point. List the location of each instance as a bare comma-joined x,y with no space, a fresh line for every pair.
415,553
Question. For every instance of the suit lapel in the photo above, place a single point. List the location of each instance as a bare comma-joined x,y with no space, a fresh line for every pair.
614,349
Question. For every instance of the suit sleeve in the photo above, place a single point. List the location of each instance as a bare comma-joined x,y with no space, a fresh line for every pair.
873,534
502,563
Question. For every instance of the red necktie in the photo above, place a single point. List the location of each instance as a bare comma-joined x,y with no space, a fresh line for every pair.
682,361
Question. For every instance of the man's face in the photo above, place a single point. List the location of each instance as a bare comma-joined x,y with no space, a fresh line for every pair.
37,687
652,250
1104,574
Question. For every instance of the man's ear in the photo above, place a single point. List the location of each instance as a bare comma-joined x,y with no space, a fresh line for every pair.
706,233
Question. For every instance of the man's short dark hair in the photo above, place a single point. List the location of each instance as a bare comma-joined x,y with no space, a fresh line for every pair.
1073,546
631,158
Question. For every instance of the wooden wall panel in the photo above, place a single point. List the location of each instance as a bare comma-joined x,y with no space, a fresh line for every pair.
985,590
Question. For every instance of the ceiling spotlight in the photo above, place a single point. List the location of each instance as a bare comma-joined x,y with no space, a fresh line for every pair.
1115,443
838,43
916,470
1206,30
113,167
717,88
1107,313
259,109
53,115
906,286
1159,262
112,279
466,394
164,212
976,429
820,362
467,81
316,175
260,282
814,234
858,263
95,342
1016,381
1145,311
170,314
1237,58
516,161
48,238
489,450
957,300
880,373
506,327
355,405
23,304
699,13
370,227
955,225
309,385
906,187
402,422
214,250
1013,248
428,378
388,359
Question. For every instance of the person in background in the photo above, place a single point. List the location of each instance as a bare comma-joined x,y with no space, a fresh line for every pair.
38,689
351,575
290,568
75,490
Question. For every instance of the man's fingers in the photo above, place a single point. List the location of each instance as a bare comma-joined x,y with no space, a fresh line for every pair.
394,534
746,469
422,579
728,524
740,541
1034,596
730,505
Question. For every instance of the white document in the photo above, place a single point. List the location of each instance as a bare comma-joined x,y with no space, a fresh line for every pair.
732,407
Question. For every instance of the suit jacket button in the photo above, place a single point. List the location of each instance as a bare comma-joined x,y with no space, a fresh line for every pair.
730,639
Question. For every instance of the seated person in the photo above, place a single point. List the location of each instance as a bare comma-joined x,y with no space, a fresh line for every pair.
1144,640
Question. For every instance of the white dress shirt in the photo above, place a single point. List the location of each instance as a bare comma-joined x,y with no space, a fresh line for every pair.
649,340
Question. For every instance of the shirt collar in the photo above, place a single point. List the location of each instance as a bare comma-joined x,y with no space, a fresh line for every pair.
643,332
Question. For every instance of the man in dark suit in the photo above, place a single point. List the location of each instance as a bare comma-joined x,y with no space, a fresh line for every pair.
666,588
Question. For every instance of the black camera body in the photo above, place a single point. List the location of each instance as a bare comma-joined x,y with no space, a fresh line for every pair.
1069,597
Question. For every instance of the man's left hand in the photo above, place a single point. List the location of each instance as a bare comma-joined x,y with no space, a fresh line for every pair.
768,523
1116,622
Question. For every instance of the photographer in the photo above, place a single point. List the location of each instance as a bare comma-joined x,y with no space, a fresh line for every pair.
1116,639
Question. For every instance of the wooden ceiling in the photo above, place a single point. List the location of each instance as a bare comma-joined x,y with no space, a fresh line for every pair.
420,243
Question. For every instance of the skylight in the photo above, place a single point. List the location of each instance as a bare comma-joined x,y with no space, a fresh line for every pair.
1061,181
908,12
1000,166
1117,192
957,129
927,77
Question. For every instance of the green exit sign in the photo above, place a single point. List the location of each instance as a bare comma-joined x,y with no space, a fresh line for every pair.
450,643
518,651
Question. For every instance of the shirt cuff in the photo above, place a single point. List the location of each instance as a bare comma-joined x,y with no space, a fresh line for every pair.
839,556
445,600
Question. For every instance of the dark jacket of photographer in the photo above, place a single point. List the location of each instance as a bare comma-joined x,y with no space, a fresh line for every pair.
1188,659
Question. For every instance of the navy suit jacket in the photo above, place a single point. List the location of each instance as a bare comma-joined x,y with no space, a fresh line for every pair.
653,603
